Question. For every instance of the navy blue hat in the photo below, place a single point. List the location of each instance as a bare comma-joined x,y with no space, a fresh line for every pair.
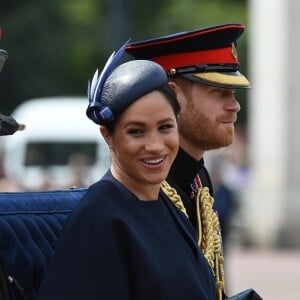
206,55
116,89
3,55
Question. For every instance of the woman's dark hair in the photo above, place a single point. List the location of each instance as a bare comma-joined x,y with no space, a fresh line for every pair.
169,95
171,98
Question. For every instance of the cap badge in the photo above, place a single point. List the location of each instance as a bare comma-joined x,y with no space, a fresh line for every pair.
172,71
234,51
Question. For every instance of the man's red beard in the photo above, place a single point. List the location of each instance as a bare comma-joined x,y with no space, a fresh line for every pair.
204,133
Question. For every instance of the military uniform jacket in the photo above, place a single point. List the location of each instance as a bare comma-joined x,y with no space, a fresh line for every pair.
182,173
118,247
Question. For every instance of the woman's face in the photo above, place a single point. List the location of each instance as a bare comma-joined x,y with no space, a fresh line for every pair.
144,142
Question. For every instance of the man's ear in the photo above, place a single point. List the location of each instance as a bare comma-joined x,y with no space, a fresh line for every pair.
106,135
180,95
177,89
174,86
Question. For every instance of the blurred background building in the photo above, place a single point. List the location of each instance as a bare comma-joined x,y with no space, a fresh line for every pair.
272,196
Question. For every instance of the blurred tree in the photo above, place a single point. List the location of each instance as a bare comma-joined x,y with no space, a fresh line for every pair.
52,47
55,46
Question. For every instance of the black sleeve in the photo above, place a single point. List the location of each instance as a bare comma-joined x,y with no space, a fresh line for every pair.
87,263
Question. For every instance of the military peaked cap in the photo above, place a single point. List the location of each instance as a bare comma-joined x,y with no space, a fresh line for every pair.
206,55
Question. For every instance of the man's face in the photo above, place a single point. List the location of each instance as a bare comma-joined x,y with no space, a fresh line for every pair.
207,117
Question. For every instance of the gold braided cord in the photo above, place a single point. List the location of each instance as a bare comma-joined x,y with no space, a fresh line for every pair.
209,238
173,196
209,241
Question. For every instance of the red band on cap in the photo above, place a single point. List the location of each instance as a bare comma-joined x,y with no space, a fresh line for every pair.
214,56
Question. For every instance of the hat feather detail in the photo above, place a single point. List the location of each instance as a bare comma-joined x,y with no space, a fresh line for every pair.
96,111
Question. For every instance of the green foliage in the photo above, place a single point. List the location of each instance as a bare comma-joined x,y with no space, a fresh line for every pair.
55,46
52,46
192,14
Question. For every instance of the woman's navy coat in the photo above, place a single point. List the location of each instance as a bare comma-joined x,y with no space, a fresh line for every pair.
118,247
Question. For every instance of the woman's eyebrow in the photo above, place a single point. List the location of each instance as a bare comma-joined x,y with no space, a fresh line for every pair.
139,123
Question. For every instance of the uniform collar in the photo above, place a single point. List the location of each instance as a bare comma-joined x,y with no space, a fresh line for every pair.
184,169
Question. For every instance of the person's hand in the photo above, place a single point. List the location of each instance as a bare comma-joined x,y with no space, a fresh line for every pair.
8,125
249,294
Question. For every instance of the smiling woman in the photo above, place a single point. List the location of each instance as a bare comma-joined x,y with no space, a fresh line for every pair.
137,113
126,240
